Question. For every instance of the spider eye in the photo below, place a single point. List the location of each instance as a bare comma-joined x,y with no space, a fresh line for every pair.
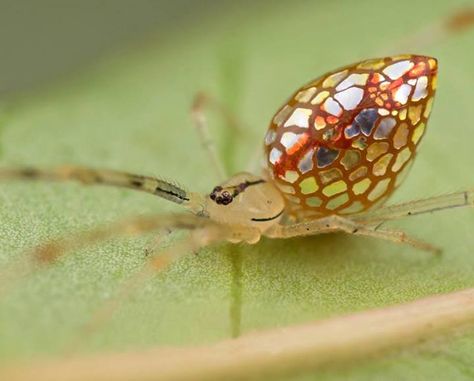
226,198
214,193
220,196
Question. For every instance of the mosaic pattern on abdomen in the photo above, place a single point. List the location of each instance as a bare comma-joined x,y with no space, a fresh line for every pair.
345,141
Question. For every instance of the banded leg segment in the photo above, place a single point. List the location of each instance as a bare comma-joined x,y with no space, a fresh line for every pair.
334,224
90,176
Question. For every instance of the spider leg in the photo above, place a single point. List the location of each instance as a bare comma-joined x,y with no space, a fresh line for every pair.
256,164
202,102
434,33
399,237
90,176
50,251
413,208
332,224
157,240
159,260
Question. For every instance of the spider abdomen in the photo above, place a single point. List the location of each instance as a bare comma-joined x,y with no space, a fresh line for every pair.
343,142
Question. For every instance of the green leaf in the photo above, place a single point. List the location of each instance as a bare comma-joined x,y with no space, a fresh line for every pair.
131,112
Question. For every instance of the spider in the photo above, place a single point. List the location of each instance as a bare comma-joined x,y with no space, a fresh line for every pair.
334,153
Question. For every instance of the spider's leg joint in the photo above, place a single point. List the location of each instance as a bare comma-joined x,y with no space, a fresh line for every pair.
378,226
136,183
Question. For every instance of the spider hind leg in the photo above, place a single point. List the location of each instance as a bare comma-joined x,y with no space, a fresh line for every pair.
413,208
333,224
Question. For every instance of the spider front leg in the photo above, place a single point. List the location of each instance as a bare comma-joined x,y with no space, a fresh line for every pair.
332,224
91,176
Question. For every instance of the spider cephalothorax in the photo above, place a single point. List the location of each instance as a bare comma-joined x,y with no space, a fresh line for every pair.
246,200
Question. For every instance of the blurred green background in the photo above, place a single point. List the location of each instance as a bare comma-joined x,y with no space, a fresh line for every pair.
109,84
45,40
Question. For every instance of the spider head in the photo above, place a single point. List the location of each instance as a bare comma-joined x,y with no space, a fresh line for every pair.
246,199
